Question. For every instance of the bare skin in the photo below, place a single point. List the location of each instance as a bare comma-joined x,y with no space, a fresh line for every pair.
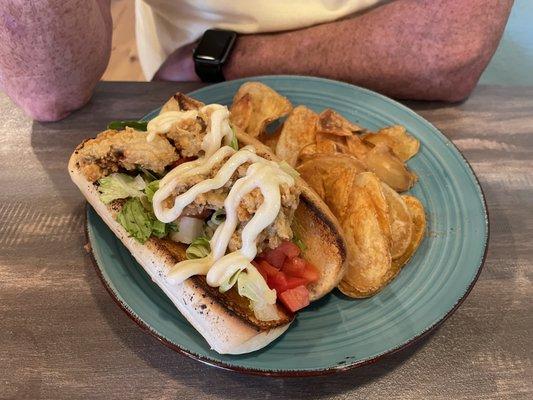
51,69
411,49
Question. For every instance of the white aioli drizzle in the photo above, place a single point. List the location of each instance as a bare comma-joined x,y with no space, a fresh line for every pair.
263,174
164,121
199,166
268,179
223,175
218,131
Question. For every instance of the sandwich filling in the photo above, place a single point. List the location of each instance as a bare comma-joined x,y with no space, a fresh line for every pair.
185,179
225,270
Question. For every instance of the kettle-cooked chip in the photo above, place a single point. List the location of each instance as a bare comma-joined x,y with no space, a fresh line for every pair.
270,139
298,131
367,232
389,168
403,145
401,223
306,153
255,105
241,111
356,147
320,170
418,215
327,146
333,123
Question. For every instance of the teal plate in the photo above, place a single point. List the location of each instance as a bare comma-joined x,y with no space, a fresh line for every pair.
336,333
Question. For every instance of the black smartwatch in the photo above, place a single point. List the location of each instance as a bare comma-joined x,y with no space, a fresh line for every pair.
211,54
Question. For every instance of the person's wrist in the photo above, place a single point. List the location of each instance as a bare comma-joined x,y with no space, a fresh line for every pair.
230,68
254,55
246,59
179,66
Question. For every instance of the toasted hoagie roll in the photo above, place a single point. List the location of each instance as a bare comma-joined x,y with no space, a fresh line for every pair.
113,172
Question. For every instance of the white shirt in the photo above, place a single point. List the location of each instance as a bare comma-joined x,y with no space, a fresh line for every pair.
162,26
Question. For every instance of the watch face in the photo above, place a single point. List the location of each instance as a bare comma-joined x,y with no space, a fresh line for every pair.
214,46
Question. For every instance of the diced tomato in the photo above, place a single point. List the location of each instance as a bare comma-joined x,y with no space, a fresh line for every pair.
289,249
275,257
266,269
282,282
300,268
278,282
287,273
295,281
296,298
294,266
261,271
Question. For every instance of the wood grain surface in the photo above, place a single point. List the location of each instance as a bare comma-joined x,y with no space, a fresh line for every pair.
63,337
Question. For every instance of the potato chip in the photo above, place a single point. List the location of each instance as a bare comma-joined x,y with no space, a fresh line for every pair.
320,170
367,232
255,105
389,168
297,132
327,147
356,147
371,183
403,145
333,123
338,190
329,140
307,152
270,139
401,222
181,102
416,209
241,111
328,162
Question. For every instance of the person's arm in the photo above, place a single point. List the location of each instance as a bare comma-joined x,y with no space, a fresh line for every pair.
53,53
410,49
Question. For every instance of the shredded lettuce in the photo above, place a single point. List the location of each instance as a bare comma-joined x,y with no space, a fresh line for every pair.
141,222
172,227
199,248
252,285
121,125
150,190
234,142
159,229
264,312
212,223
298,241
120,186
228,284
218,216
137,221
288,169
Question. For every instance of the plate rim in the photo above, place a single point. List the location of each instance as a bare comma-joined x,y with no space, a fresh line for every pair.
319,371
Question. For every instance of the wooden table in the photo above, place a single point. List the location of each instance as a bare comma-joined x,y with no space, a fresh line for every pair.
63,337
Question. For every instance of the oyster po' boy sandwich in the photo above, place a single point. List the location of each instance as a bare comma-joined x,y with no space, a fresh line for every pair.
234,237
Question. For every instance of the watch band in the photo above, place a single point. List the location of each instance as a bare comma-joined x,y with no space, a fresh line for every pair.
209,73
